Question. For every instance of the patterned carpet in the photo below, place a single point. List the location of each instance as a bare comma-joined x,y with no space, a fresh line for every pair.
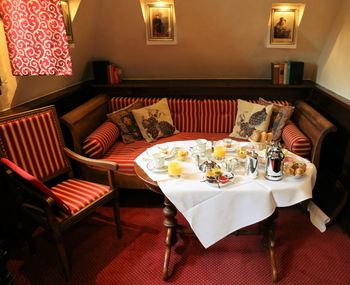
304,255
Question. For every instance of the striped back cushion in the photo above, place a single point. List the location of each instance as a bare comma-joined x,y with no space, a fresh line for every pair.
295,140
100,140
184,112
217,116
34,143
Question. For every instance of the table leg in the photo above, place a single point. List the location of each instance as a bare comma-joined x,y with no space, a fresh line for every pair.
170,224
269,242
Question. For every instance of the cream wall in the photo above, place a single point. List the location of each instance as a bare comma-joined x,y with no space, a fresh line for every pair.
216,39
334,62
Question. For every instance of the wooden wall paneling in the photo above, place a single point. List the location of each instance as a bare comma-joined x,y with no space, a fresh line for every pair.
335,167
214,89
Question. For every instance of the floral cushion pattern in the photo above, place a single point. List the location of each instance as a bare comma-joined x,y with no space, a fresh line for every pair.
100,140
250,117
155,121
126,123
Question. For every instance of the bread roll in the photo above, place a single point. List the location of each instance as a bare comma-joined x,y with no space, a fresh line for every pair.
269,137
255,137
263,137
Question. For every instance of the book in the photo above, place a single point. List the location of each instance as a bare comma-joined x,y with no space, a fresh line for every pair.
275,68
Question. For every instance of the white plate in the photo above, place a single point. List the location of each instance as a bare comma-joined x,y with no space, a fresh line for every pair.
219,185
171,153
150,166
294,177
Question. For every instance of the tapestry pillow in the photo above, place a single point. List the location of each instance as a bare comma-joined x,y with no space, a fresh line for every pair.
126,123
279,117
155,121
250,117
100,140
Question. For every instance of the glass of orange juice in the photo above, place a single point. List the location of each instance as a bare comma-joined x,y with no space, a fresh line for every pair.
174,169
219,151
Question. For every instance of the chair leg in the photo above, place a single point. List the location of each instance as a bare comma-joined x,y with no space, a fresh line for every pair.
118,226
62,253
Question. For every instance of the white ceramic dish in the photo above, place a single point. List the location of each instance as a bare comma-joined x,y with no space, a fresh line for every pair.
218,184
150,166
170,152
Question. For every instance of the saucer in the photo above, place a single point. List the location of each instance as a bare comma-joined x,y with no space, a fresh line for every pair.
150,166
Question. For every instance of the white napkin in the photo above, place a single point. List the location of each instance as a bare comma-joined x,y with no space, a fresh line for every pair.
317,217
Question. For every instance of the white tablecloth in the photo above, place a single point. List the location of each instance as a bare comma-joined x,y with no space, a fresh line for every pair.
212,212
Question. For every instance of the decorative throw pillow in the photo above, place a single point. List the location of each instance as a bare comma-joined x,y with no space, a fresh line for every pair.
155,121
250,117
100,140
126,123
279,117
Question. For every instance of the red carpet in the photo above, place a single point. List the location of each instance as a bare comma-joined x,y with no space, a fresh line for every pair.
304,255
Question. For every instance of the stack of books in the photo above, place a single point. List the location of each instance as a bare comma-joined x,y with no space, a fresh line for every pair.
106,72
290,72
114,74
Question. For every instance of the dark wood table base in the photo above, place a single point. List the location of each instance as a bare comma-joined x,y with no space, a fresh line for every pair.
171,225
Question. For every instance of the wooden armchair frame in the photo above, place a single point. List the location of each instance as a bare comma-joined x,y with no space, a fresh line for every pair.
42,208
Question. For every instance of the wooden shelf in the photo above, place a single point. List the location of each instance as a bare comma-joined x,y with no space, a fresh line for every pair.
211,88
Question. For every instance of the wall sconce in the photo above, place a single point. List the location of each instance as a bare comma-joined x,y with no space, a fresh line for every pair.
67,20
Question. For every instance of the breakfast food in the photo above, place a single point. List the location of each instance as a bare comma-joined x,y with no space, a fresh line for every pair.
216,175
256,136
294,168
242,152
182,154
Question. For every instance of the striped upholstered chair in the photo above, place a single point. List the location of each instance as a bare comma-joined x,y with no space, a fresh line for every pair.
33,155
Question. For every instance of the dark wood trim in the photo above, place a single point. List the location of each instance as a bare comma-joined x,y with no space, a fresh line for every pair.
211,88
64,100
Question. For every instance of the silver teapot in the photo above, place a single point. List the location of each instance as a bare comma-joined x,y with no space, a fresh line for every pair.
274,162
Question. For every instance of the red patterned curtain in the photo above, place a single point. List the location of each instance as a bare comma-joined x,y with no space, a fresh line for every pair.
36,37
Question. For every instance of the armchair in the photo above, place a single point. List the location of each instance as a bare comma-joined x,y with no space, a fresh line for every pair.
36,162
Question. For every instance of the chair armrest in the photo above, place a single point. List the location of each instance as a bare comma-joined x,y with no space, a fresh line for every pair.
107,165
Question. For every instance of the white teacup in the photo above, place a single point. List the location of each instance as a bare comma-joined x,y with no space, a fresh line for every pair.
158,159
201,145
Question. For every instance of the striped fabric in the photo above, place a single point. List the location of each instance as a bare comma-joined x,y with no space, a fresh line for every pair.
125,154
184,112
100,140
77,194
295,140
278,102
33,143
36,183
217,116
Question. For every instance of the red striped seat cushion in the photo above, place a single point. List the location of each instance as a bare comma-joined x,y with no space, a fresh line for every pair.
125,154
217,116
295,140
77,194
33,143
100,140
36,183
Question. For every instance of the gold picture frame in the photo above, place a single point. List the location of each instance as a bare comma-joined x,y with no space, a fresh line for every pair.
283,27
160,23
67,20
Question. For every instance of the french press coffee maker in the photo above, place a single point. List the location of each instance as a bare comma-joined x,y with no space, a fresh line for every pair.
274,162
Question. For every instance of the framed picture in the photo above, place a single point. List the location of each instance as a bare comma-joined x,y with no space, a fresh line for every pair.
283,28
67,20
160,24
